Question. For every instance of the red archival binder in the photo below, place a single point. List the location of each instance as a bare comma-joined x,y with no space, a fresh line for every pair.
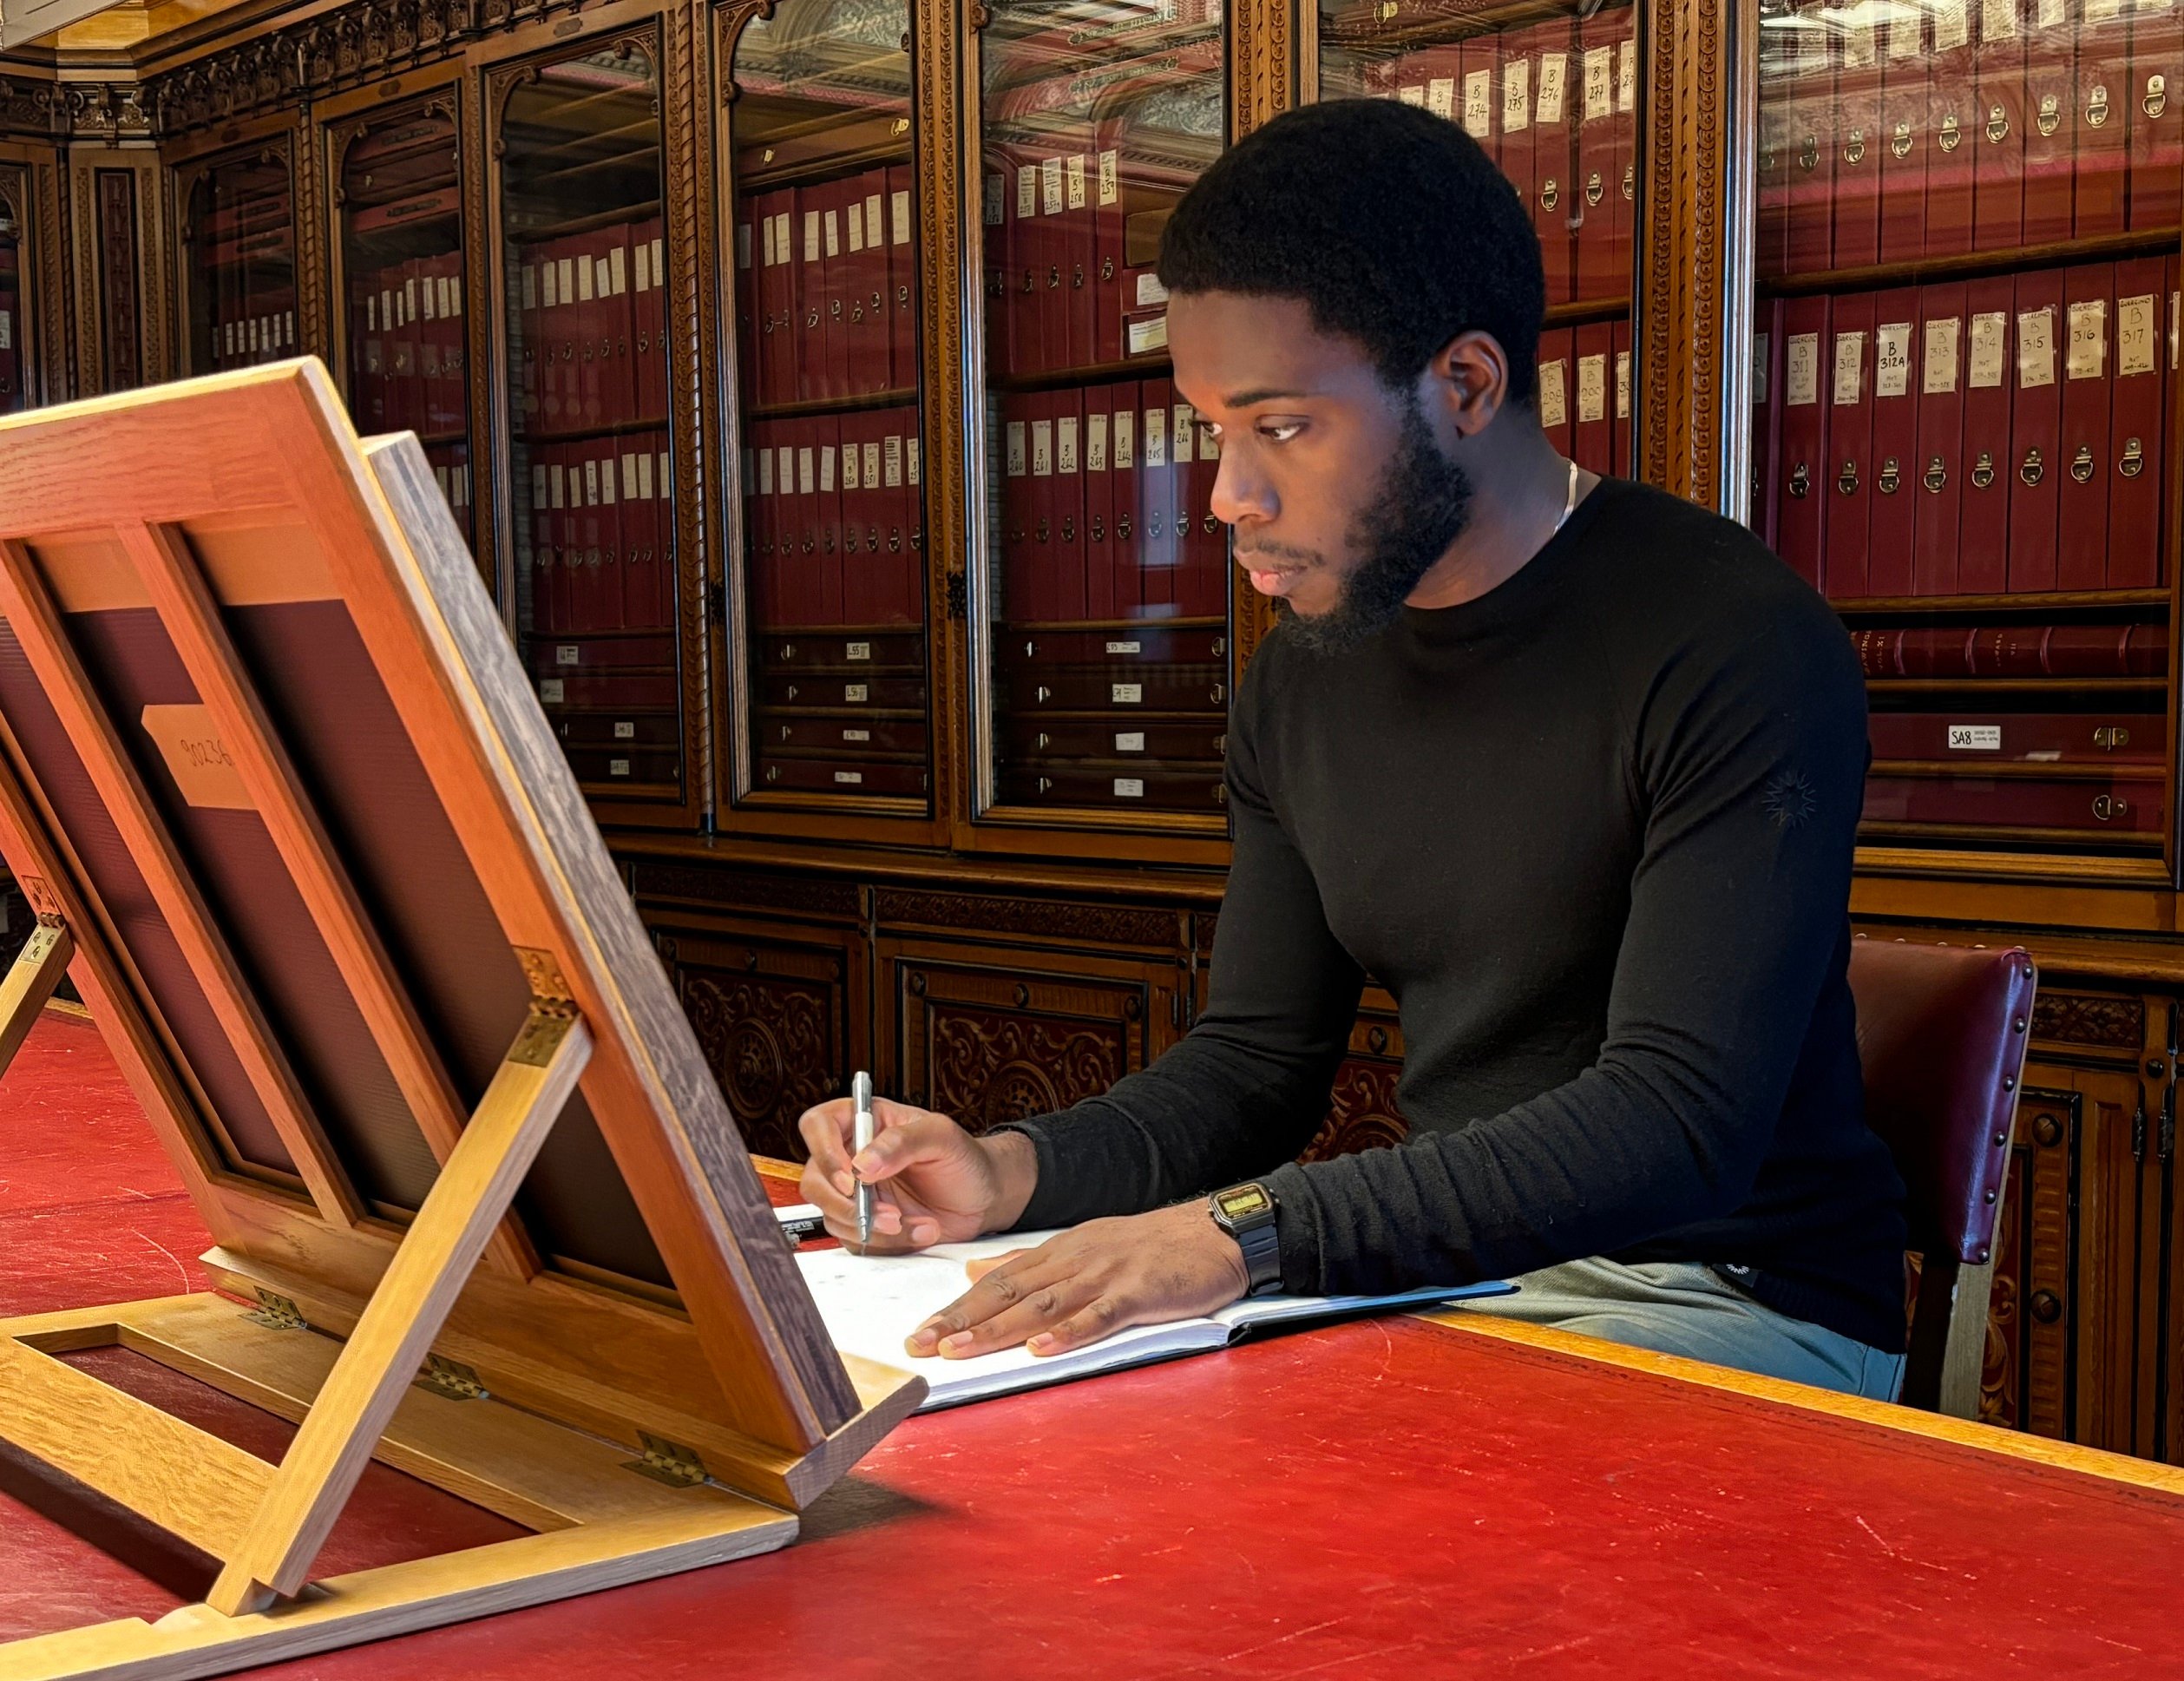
1619,462
1066,502
541,543
1593,442
1998,190
1125,461
1596,182
1519,62
1623,200
902,281
2138,444
2082,461
1080,258
1809,238
664,615
1555,155
864,260
2036,430
1952,130
810,290
1043,570
2050,129
1805,483
1860,145
567,480
1210,536
996,186
587,588
1941,476
2156,112
1903,139
1183,508
613,536
912,560
787,332
834,562
842,273
1766,417
1989,471
1848,466
1553,392
1778,140
1020,301
648,313
1108,299
1156,499
1020,588
859,581
880,544
746,284
883,260
2100,113
1892,521
619,326
1100,504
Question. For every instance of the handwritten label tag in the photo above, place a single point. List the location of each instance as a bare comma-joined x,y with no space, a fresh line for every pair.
1592,388
1891,359
2036,347
1850,367
1990,336
1129,788
1939,373
1801,380
1126,694
2088,352
2134,336
1554,409
1130,741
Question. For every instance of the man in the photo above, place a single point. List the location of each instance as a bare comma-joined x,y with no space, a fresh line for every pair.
1570,767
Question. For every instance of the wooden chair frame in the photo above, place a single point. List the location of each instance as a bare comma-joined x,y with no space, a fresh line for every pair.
637,1435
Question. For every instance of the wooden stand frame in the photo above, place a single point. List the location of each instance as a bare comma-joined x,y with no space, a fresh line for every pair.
638,1433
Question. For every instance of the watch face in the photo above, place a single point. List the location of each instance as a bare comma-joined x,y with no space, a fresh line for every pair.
1242,1202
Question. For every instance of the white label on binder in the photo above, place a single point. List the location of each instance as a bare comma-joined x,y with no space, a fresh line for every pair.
1126,440
900,207
891,454
765,474
1600,75
617,271
834,234
2036,347
1050,187
1622,385
857,227
1441,97
585,289
1129,788
1026,191
850,459
1516,95
624,732
1554,68
1989,337
872,464
875,229
1150,294
432,296
1850,367
1554,403
1478,104
1180,430
826,469
1975,738
1902,32
854,694
591,482
1149,335
1891,359
909,460
1592,388
857,651
1414,95
566,654
550,690
1042,449
1858,43
2053,14
1126,694
644,474
1801,377
852,778
1096,443
2134,336
1075,187
1130,741
803,469
1627,77
2088,350
1997,20
659,268
1952,24
1156,437
561,485
811,236
1126,647
1066,444
996,201
1938,372
617,767
857,735
1110,178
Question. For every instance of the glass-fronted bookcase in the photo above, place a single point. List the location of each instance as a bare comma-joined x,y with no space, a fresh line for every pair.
17,369
239,269
1963,389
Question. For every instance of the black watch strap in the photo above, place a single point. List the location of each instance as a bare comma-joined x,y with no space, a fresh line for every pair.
1247,1212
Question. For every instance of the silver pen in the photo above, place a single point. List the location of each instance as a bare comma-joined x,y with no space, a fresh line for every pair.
861,1095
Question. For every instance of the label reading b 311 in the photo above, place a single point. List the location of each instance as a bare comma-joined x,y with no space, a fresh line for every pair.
1975,738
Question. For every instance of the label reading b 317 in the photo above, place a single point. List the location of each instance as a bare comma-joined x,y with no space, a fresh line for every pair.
1975,738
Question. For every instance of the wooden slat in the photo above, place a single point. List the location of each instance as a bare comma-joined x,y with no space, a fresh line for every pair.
29,981
336,1439
29,611
179,594
168,1472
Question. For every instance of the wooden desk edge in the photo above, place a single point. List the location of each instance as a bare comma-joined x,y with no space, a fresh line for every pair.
1884,1415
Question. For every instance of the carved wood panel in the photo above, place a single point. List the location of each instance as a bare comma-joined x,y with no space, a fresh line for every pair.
777,1023
988,1040
1362,1112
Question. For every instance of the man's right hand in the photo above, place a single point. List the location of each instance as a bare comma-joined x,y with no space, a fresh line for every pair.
933,1182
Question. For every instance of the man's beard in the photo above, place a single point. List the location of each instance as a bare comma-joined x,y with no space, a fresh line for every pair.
1421,507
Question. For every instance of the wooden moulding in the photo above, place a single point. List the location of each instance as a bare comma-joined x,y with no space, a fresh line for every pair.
161,555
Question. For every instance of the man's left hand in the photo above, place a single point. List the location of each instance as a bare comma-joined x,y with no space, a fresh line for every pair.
1092,1282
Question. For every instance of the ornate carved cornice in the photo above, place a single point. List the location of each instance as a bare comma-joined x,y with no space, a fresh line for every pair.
28,107
110,111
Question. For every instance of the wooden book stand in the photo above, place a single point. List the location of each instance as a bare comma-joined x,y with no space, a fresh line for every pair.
279,793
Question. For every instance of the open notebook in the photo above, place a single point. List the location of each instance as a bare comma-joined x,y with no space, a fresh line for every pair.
870,1303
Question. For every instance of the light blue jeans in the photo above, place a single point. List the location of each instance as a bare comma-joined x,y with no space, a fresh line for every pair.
1680,1307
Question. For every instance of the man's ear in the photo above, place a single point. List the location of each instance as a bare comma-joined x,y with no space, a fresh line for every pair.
1466,383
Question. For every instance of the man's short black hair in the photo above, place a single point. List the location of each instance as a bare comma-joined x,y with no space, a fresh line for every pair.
1389,223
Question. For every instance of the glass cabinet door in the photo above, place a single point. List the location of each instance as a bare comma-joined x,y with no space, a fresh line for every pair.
833,656
1105,609
1962,364
15,357
1553,100
239,242
590,480
404,346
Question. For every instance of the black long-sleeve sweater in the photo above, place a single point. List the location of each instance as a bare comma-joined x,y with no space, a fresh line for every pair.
1593,830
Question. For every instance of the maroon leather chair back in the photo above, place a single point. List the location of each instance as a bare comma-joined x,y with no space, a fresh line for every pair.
1942,1032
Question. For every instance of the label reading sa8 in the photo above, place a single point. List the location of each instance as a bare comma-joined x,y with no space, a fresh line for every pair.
1975,738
